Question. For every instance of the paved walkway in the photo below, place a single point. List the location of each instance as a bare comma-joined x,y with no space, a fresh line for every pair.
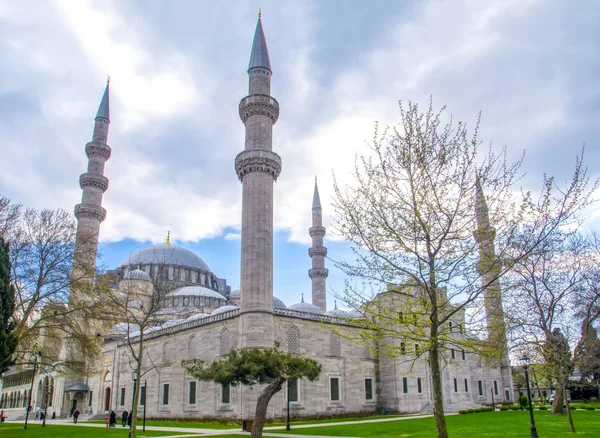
199,432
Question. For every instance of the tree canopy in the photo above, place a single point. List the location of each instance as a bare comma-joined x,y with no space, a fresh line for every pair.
8,338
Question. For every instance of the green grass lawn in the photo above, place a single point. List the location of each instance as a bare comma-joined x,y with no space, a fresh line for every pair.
55,431
484,425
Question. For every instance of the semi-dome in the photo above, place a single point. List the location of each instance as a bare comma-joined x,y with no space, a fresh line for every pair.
278,304
137,274
195,291
306,307
224,309
166,255
338,313
197,316
234,295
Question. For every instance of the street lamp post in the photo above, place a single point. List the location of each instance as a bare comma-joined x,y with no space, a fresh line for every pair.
287,424
35,356
145,397
525,363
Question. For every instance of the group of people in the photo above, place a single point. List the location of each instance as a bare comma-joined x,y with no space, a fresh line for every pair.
125,418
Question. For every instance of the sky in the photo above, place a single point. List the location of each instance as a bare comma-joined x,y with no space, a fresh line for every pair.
178,71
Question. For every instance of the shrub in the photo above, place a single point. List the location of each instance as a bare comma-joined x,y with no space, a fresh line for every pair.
543,408
523,402
463,412
572,407
590,408
504,408
515,408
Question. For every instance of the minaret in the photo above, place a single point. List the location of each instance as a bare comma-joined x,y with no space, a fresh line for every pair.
489,270
317,252
257,167
90,213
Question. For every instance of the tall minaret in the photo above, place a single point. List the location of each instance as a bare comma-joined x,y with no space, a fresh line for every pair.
317,252
489,270
90,213
257,168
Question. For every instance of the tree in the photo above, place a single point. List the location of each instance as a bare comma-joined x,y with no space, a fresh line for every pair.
409,217
257,366
8,340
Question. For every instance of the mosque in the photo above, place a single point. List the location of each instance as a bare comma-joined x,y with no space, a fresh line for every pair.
205,319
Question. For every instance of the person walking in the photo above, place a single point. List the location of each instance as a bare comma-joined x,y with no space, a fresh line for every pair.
112,419
129,419
124,418
75,415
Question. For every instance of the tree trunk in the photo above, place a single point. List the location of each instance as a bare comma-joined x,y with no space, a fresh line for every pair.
136,393
559,396
438,398
570,417
261,406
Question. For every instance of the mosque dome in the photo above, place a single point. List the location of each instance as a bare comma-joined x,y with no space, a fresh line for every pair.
195,291
306,307
224,309
338,313
234,295
137,274
166,255
278,304
197,316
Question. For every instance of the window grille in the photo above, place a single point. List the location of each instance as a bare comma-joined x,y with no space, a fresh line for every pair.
225,341
334,345
293,339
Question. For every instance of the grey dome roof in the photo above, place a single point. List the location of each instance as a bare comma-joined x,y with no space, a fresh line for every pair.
306,307
197,291
278,304
224,309
234,295
339,313
197,316
166,255
137,274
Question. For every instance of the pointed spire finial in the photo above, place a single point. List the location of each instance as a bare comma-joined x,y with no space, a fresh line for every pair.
259,13
302,297
107,79
168,238
259,56
316,205
104,108
335,305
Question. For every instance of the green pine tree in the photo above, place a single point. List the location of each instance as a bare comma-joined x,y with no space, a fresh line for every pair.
8,339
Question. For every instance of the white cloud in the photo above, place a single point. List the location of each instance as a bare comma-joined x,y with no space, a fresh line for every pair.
233,236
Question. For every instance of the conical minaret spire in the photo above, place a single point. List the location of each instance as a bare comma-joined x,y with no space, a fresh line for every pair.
93,183
489,270
257,168
317,252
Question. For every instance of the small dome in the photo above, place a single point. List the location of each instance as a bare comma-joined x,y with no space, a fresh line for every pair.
137,274
338,313
166,255
173,322
278,304
306,307
122,328
224,309
195,291
234,295
197,316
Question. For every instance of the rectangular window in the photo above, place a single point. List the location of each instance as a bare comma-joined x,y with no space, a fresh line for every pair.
143,395
466,385
293,390
225,394
452,351
480,385
192,393
165,400
90,399
334,384
368,389
507,395
417,348
455,385
464,356
401,317
402,348
495,387
122,398
419,385
450,326
405,385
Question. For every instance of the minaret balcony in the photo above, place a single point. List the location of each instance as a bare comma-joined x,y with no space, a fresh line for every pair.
257,160
318,272
93,180
90,211
97,149
259,104
316,231
317,251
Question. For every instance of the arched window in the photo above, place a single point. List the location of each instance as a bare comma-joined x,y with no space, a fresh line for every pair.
165,355
334,345
293,339
225,341
192,347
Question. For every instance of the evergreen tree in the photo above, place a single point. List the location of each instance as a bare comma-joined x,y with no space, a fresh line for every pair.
8,340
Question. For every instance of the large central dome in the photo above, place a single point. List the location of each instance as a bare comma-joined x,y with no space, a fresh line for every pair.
166,255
